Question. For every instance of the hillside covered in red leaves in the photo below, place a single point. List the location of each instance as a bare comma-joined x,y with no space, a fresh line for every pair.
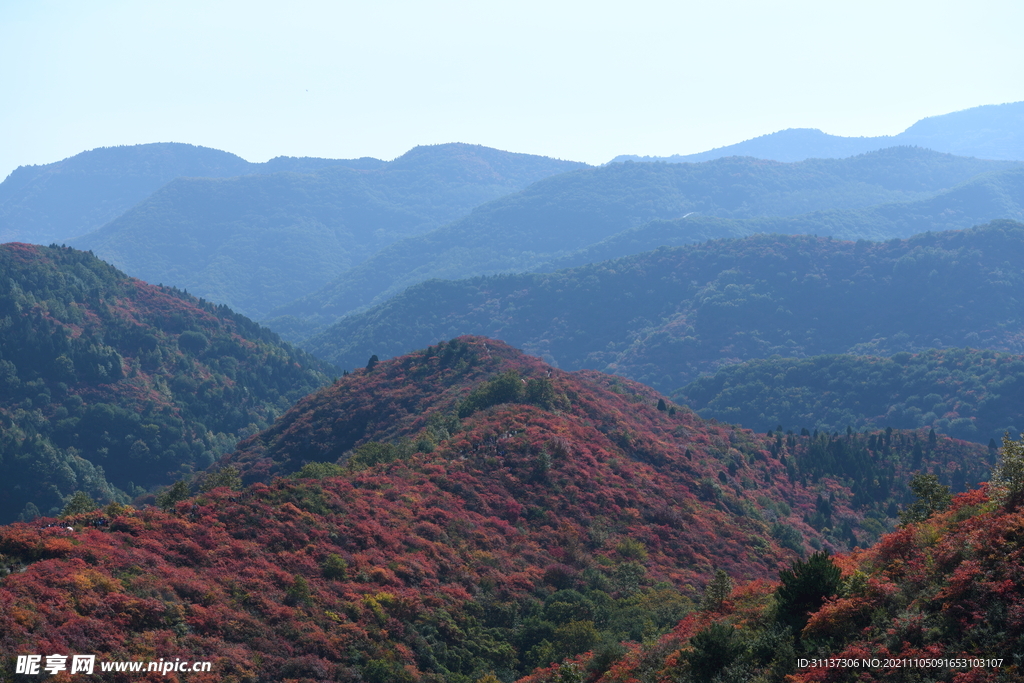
939,599
460,512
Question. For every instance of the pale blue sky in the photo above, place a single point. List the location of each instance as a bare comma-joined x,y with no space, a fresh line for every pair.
576,80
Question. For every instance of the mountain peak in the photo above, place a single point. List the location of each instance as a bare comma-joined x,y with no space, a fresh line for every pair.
991,131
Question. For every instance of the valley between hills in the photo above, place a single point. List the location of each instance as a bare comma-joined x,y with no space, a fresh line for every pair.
477,416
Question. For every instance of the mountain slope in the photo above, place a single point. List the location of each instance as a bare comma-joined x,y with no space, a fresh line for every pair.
570,212
258,241
520,524
988,132
997,194
938,599
664,317
975,395
109,385
61,201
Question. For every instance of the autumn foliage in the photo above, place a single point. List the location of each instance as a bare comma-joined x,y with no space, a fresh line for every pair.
459,512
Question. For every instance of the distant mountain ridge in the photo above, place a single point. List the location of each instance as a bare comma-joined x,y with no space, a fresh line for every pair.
997,194
257,241
994,131
66,199
664,317
558,221
60,201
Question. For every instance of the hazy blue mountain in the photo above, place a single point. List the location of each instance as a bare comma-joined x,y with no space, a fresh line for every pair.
998,194
665,317
993,131
791,144
563,216
257,241
66,199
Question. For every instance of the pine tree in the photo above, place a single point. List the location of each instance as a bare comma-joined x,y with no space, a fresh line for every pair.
804,589
716,592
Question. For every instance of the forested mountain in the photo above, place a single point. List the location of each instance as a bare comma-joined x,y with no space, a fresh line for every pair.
257,241
988,132
110,386
460,512
975,201
664,317
968,394
937,600
565,214
66,199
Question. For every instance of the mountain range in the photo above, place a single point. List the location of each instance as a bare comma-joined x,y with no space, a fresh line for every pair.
66,199
598,213
991,131
257,241
665,317
413,499
444,533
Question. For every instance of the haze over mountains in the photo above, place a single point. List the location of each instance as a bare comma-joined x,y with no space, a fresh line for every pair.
599,214
991,131
664,317
66,199
258,241
444,507
262,239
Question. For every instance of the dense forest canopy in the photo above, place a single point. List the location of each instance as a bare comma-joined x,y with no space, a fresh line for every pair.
667,316
938,599
110,386
459,512
969,394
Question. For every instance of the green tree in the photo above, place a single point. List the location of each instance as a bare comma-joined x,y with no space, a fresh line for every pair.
319,470
373,453
78,503
178,491
226,477
804,589
505,388
298,593
193,342
385,671
717,591
1007,479
334,567
931,497
540,392
714,648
